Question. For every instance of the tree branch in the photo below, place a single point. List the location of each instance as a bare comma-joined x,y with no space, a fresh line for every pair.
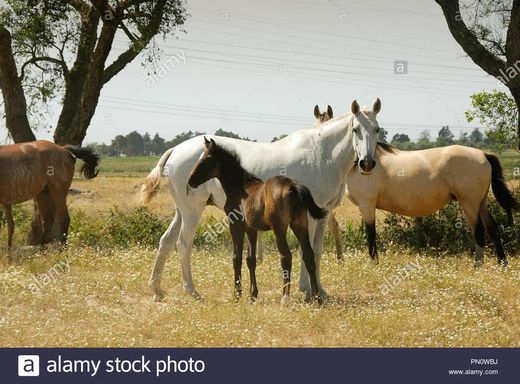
138,45
35,60
468,41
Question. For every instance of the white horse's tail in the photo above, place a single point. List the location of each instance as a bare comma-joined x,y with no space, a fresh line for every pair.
152,182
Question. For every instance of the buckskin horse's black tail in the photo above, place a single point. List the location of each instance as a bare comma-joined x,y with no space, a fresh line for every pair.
90,159
503,195
304,199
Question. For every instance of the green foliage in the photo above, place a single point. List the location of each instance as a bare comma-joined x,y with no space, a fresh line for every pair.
445,137
400,138
221,132
447,229
282,136
498,112
383,135
137,227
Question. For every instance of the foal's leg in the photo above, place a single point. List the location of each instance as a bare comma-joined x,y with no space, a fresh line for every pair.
260,246
237,233
251,263
334,229
166,244
280,232
492,230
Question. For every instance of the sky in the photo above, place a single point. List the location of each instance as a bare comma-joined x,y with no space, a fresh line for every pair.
258,68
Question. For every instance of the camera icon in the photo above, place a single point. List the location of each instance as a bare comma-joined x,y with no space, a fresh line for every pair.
28,365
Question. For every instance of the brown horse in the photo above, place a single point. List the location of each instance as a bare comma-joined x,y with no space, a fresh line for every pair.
26,169
276,204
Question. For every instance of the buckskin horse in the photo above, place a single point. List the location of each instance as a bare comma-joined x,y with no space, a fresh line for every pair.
26,169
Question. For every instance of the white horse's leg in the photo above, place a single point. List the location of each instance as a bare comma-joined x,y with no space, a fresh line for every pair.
305,283
259,247
185,246
319,236
166,244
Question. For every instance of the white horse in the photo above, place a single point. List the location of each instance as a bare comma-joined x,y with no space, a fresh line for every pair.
319,159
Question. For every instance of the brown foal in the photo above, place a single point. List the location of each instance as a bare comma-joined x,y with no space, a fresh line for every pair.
276,204
26,169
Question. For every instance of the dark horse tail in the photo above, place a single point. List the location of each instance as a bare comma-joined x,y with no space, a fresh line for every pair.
503,195
304,200
90,159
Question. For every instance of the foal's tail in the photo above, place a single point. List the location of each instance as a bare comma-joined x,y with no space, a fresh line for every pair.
153,181
304,200
503,195
90,160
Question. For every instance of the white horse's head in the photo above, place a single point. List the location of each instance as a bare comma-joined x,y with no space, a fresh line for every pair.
365,132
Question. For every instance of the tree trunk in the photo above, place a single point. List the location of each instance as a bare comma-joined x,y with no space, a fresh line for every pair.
12,92
516,95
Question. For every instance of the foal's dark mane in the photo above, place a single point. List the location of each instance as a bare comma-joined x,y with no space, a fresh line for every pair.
235,174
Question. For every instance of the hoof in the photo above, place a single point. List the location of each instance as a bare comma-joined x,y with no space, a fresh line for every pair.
285,300
158,296
196,295
478,263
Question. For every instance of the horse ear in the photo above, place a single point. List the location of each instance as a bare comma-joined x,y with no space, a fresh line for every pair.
317,111
207,143
355,107
329,111
377,106
213,144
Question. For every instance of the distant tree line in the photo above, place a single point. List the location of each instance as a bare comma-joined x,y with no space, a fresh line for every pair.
444,137
135,144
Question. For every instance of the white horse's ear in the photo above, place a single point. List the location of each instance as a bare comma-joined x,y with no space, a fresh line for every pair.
329,111
355,107
213,144
377,106
317,111
207,143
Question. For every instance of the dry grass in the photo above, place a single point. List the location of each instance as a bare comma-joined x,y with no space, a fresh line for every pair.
104,300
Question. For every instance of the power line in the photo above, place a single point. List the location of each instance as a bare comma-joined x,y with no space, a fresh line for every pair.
255,117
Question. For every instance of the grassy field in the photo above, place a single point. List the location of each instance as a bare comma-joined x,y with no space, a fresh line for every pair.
98,296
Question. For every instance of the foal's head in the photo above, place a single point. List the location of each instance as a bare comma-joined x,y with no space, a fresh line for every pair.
218,162
323,117
365,132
